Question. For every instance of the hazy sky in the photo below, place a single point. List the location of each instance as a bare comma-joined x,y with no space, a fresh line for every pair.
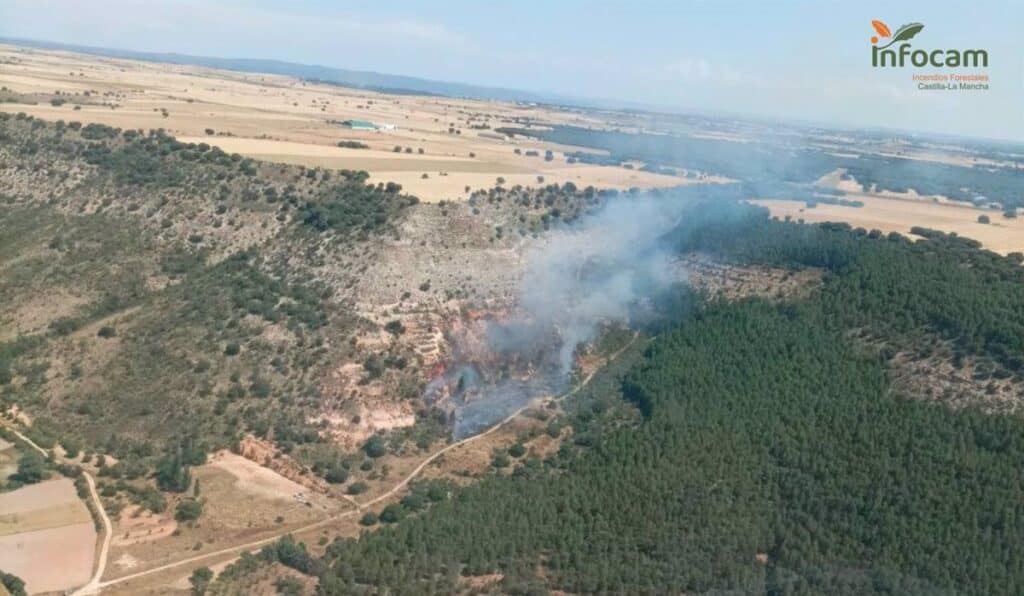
807,60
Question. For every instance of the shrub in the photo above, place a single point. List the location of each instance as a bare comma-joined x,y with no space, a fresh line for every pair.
292,554
259,388
200,578
31,468
172,474
337,474
14,584
288,586
392,513
65,325
106,331
554,429
375,446
72,447
188,510
414,501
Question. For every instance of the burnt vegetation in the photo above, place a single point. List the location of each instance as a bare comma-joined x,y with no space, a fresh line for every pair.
750,445
768,451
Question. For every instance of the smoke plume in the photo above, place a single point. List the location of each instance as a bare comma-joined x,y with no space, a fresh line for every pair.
578,278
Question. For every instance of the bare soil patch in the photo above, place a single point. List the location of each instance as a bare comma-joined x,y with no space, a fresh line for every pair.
41,496
47,536
254,479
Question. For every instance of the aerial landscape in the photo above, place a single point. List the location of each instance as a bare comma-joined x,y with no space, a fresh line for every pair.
274,328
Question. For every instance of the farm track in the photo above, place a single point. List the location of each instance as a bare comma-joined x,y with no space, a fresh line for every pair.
101,565
95,586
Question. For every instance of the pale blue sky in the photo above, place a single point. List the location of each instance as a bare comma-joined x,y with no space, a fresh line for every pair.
793,59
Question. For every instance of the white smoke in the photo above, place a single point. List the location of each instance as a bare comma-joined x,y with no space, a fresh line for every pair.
580,277
596,271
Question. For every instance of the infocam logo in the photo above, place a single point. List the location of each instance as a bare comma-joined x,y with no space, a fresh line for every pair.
904,55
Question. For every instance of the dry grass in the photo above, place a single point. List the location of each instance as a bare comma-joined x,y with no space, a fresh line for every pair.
241,505
278,118
136,525
898,214
8,460
33,317
254,479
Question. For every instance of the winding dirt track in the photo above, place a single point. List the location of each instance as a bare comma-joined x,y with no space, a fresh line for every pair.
95,586
108,532
101,566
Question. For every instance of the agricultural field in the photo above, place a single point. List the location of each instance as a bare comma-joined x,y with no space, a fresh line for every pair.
434,147
251,349
47,536
900,214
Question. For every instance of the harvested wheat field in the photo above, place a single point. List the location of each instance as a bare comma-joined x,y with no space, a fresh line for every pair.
47,536
891,214
434,146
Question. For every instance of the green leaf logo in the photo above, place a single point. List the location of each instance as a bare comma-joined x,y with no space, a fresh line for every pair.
905,33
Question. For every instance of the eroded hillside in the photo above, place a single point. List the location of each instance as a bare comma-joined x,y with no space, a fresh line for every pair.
158,291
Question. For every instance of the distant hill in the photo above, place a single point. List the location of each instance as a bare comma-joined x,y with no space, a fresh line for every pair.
340,76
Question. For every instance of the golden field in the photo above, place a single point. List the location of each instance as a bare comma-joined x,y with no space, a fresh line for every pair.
278,118
899,215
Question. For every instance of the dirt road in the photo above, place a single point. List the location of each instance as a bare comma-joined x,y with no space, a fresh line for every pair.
95,586
101,565
253,546
108,532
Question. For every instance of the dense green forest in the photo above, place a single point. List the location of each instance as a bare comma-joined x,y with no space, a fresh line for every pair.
887,286
757,447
